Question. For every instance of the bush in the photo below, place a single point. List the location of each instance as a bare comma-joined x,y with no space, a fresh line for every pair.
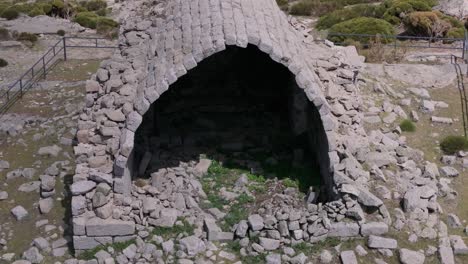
398,9
46,7
407,126
282,2
427,24
341,15
25,36
3,63
4,34
61,32
302,8
95,5
453,21
36,12
59,8
453,144
86,19
101,12
106,27
10,13
456,33
361,25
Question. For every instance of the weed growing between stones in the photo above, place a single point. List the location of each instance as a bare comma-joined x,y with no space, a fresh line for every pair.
119,246
453,144
169,232
407,126
311,249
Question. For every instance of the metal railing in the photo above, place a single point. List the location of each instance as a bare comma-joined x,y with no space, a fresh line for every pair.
461,89
10,93
403,41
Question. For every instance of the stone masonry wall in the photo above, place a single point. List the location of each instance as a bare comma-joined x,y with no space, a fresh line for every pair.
156,51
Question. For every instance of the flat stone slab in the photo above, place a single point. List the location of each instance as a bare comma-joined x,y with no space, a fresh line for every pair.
442,120
382,242
109,227
411,257
348,257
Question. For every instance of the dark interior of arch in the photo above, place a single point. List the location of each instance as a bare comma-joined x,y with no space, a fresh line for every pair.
243,109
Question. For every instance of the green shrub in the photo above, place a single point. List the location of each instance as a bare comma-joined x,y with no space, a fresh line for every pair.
398,9
302,8
10,13
452,144
25,36
46,7
456,33
61,32
3,7
101,12
453,21
4,34
59,8
36,12
282,2
427,24
106,27
3,63
24,8
392,19
86,19
95,5
361,25
341,15
407,126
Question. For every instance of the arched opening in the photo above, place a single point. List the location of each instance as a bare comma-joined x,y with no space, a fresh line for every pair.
243,109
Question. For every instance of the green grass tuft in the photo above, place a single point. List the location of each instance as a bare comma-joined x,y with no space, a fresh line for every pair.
169,232
407,126
89,254
453,144
3,63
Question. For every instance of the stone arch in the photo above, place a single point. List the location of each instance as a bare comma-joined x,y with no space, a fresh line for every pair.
304,78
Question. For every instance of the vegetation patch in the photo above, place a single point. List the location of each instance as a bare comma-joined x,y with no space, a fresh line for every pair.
453,144
4,34
119,246
3,63
427,24
407,126
362,25
237,212
10,14
25,36
321,7
169,232
61,32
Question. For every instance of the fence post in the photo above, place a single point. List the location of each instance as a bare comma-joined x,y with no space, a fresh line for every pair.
64,49
21,87
464,44
44,66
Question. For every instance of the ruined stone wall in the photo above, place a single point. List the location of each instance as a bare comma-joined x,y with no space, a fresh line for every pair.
156,51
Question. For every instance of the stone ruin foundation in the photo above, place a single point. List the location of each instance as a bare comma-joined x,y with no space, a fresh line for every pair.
230,80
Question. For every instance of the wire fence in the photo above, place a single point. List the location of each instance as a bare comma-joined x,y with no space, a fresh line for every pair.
10,93
400,41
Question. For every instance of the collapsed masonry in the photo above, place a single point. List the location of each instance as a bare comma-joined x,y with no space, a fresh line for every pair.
158,51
